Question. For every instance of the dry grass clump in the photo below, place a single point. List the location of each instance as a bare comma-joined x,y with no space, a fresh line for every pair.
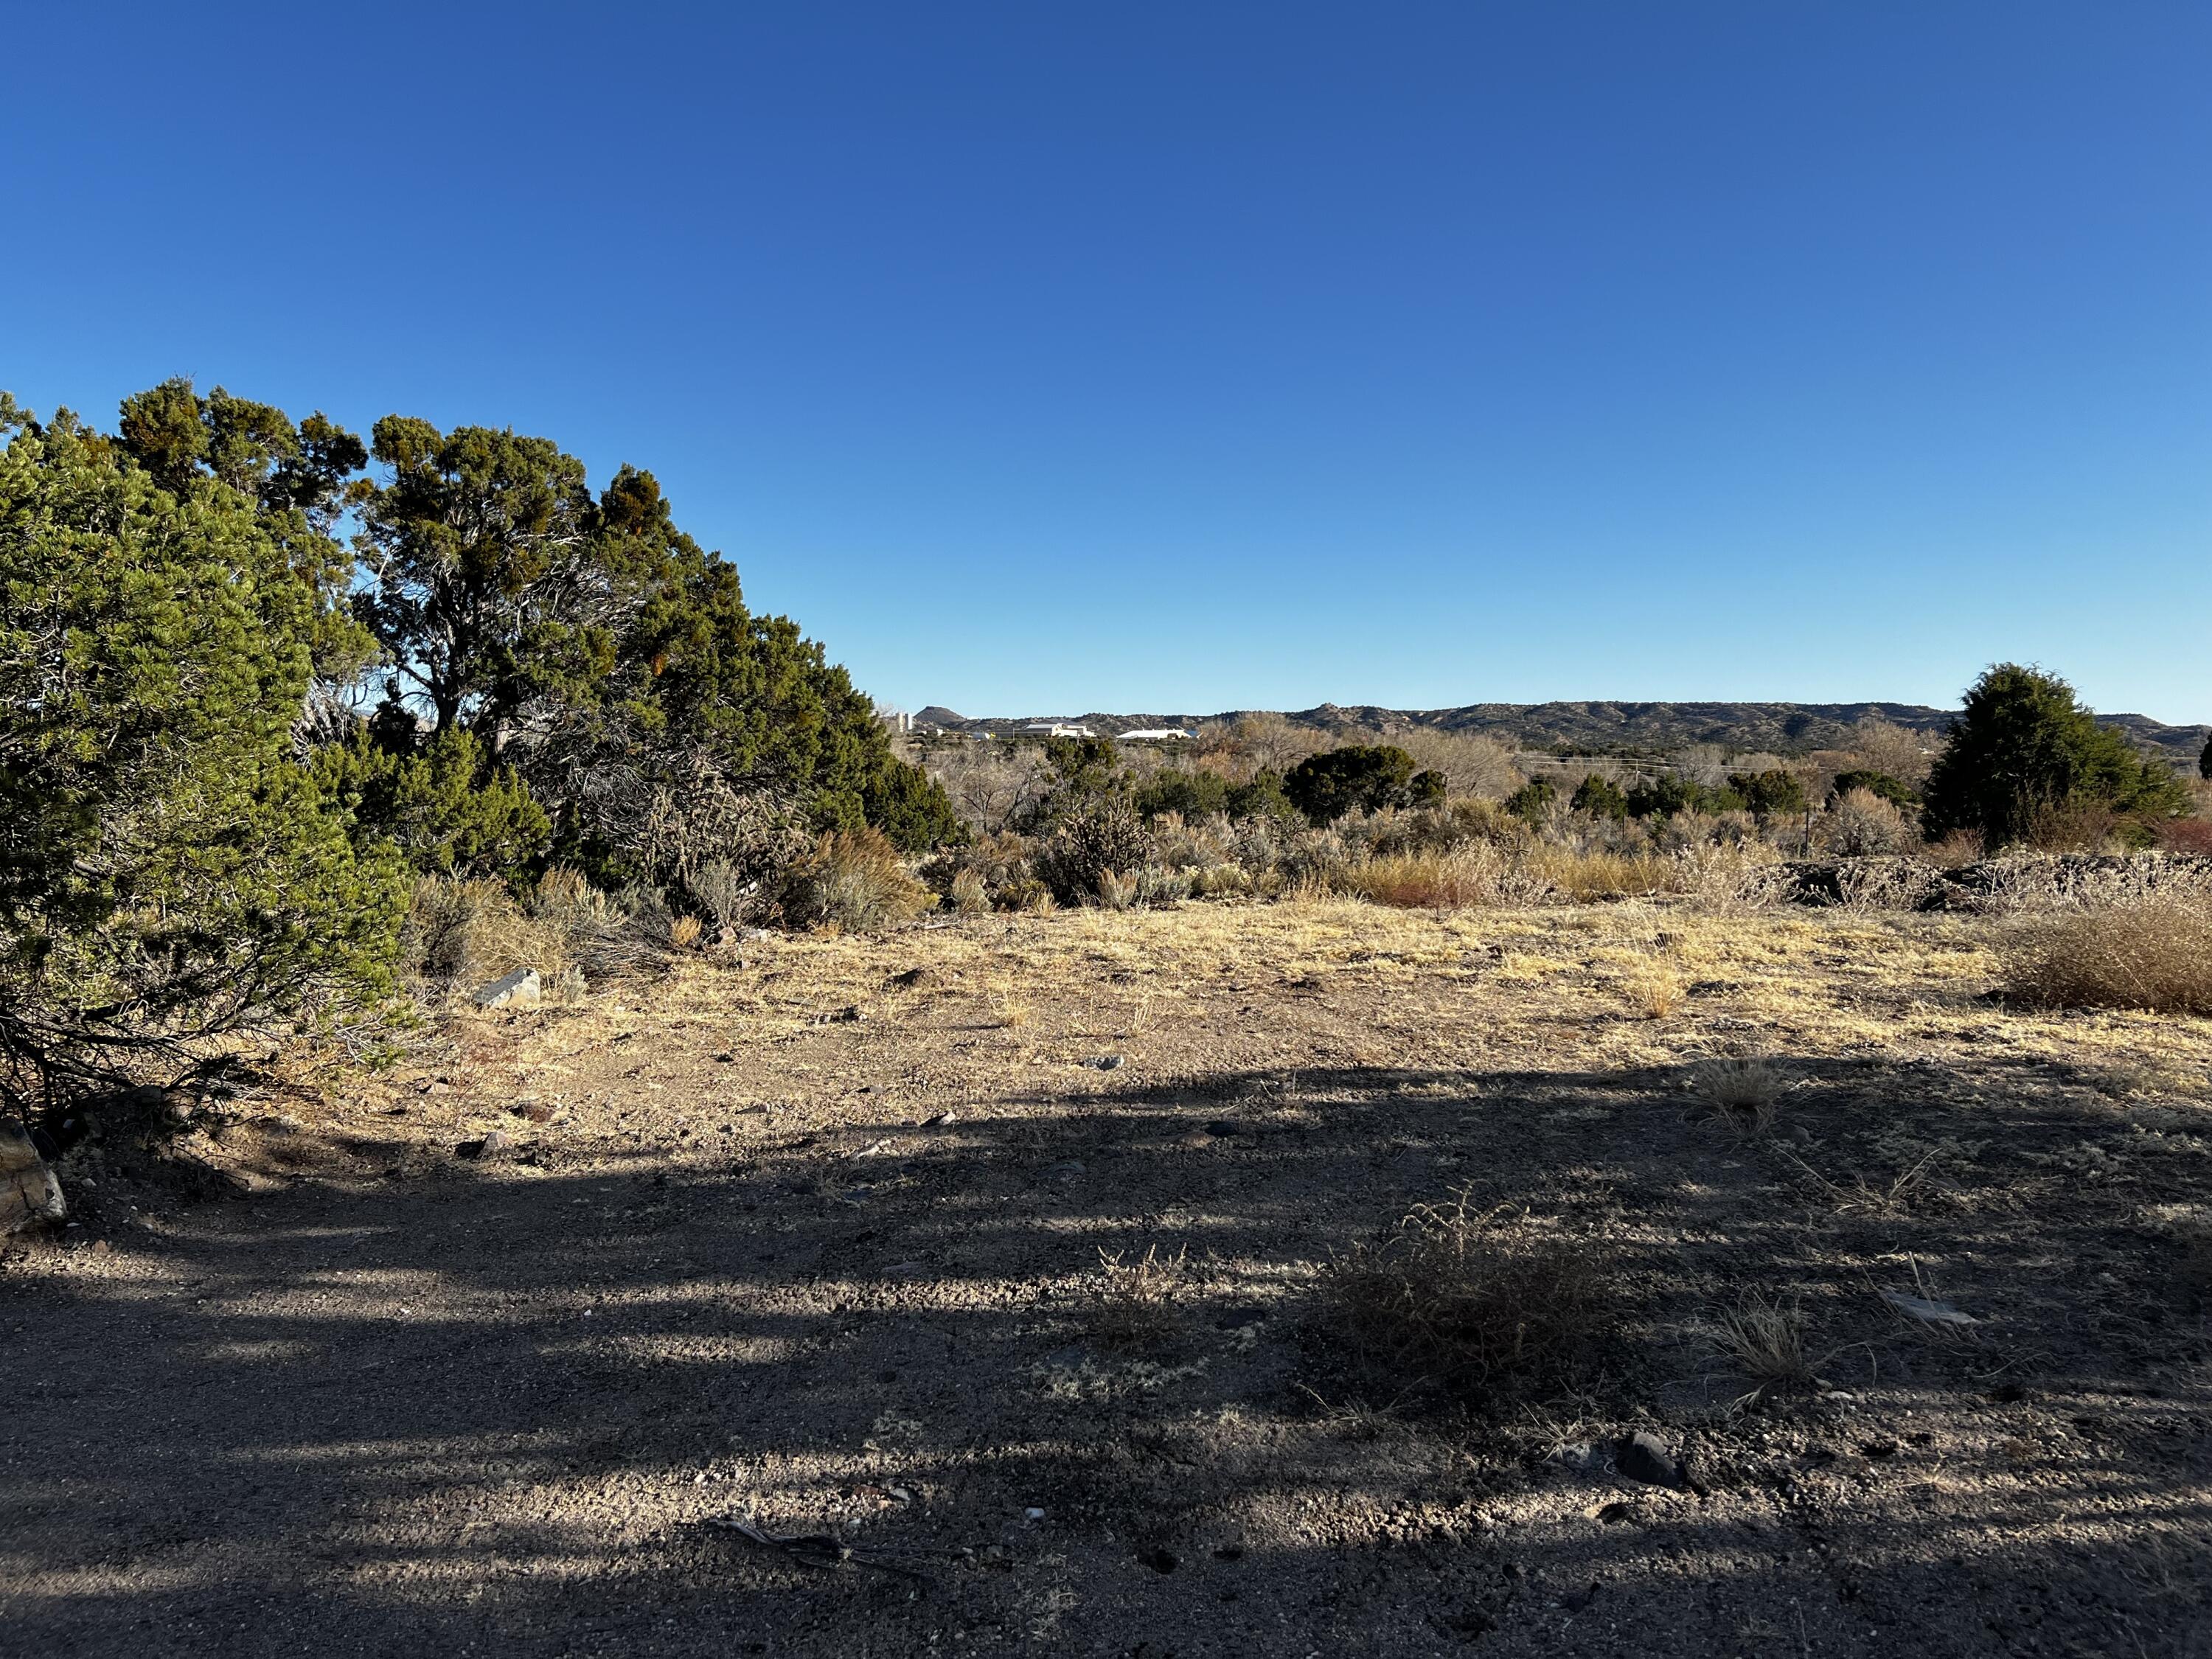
1741,1090
1475,874
1137,1307
468,933
2151,950
1655,992
854,881
1764,1337
1580,877
968,894
1481,1304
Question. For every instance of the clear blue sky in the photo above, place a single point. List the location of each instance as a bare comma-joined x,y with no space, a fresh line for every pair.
1047,356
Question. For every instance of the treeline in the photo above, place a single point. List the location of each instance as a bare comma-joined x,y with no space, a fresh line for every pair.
256,674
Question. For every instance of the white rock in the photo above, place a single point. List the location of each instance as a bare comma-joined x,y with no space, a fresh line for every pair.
519,989
29,1193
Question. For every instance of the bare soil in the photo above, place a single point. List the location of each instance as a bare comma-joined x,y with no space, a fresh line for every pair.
813,1242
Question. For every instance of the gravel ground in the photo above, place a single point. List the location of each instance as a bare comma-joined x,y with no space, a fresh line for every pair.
813,1242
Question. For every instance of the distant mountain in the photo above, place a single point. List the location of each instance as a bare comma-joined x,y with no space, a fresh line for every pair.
1607,727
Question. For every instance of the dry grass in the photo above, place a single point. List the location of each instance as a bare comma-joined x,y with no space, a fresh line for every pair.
1656,993
970,894
1458,878
462,933
1741,1090
2152,952
1137,1307
1764,1337
1477,1304
1579,878
854,881
684,932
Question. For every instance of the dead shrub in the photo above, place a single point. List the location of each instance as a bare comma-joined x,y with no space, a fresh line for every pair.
1862,824
1106,838
683,932
1487,1306
969,894
604,935
853,880
1741,1090
1957,849
2152,950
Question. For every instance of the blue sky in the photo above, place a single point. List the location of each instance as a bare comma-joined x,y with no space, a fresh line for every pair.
1047,357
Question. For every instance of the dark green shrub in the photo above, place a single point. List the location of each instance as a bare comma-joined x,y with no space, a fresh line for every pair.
1601,796
447,811
1897,793
1532,799
1193,794
1664,797
1356,778
2204,761
167,870
1261,798
1773,794
2024,752
1426,789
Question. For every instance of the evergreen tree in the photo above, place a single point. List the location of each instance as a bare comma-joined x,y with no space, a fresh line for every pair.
169,869
2024,746
1601,796
1356,778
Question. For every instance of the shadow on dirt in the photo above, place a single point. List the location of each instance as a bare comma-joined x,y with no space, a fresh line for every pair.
493,1407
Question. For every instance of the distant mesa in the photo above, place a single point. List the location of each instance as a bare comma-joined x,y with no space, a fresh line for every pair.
1582,727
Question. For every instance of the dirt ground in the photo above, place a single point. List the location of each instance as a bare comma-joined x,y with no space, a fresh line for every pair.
813,1242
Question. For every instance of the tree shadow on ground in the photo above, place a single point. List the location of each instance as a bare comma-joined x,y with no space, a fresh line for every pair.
497,1405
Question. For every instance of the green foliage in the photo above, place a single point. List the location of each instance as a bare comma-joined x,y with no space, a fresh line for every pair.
1601,796
1356,778
2024,749
448,812
1529,802
1664,797
2204,761
1426,789
606,656
911,808
1773,794
1261,798
1192,794
1878,784
167,870
295,476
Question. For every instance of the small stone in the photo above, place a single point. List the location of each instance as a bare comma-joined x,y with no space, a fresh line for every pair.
495,1144
1105,1062
941,1120
1644,1457
519,989
1033,1516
